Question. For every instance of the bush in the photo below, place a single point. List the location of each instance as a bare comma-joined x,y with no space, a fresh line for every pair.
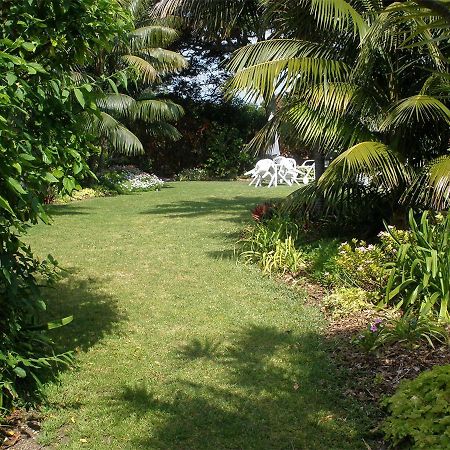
43,152
127,179
85,193
195,174
364,266
345,301
419,412
419,279
226,158
272,245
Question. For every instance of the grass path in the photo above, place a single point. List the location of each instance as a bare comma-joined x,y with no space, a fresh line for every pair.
178,346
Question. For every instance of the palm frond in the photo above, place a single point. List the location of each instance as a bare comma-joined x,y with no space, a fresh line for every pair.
156,110
334,98
163,130
339,15
152,36
276,49
213,15
281,65
418,108
431,187
119,137
116,103
366,162
164,61
143,69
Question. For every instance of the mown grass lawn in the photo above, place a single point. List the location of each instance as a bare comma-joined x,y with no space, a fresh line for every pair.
179,347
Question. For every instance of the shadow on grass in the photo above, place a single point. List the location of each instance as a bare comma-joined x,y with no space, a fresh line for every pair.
95,313
279,392
67,209
235,209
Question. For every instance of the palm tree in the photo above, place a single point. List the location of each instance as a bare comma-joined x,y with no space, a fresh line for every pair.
129,73
355,88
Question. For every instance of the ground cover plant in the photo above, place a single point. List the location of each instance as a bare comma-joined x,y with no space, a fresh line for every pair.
177,346
419,411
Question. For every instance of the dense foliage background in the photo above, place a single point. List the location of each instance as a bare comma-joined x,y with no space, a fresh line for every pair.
42,147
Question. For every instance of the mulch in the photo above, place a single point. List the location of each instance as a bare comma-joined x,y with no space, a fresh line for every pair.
376,374
19,430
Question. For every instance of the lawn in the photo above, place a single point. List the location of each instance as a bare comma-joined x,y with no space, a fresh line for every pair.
179,347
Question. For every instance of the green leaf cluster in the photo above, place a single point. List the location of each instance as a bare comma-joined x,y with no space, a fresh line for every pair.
419,412
42,148
272,245
419,279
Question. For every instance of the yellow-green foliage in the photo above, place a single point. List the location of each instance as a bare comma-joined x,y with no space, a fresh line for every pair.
272,246
85,193
364,266
345,301
420,411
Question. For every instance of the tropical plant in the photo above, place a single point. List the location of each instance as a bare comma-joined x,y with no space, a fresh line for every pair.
419,411
419,279
129,72
42,147
358,83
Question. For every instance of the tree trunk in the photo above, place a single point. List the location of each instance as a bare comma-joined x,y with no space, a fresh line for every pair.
319,168
319,161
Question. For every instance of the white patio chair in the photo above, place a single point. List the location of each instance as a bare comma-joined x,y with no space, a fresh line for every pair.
264,169
279,159
307,171
287,171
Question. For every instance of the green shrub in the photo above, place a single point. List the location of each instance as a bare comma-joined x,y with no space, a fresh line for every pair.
362,266
85,193
419,279
43,152
408,330
272,246
226,158
419,412
195,174
344,301
365,266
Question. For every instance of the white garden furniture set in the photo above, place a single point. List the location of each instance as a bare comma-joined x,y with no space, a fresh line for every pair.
281,170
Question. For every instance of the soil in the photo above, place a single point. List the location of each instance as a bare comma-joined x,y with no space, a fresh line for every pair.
19,431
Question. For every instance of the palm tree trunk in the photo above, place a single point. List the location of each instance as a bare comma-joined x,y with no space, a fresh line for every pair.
319,169
319,162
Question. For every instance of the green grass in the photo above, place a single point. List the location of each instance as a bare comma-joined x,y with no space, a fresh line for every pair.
179,347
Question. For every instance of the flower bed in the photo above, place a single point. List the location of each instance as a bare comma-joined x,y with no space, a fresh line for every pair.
126,179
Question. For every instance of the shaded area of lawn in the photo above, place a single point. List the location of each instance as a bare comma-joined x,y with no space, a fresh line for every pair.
263,406
179,347
95,313
235,209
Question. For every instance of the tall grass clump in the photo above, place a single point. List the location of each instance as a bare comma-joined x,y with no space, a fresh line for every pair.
271,244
